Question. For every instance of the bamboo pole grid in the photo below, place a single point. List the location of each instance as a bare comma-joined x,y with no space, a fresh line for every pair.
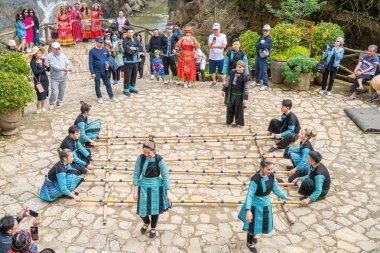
106,184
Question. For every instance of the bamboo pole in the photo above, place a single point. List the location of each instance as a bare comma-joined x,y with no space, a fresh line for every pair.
289,216
345,69
191,201
188,171
196,158
350,55
106,185
125,143
180,182
176,136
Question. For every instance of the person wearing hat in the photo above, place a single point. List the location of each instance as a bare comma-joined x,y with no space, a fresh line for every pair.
237,90
59,67
98,62
286,129
12,46
131,47
187,68
96,27
85,16
154,44
263,46
217,42
256,213
151,187
168,42
75,19
64,27
316,184
39,67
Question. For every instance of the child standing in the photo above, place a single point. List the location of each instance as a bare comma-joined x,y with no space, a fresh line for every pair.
201,59
237,89
158,66
21,31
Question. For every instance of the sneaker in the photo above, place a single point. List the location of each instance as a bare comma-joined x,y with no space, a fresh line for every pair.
139,77
177,82
264,88
113,99
128,94
44,109
151,77
59,104
185,85
328,93
152,234
322,92
115,82
38,111
100,100
213,84
166,81
51,107
189,85
255,84
233,125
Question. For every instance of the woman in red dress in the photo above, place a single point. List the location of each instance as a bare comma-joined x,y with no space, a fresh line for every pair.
75,19
96,28
187,68
85,16
64,27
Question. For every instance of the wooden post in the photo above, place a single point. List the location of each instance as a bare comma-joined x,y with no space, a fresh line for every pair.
46,27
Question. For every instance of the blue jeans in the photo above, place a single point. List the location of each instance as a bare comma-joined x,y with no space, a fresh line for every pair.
261,70
36,40
105,76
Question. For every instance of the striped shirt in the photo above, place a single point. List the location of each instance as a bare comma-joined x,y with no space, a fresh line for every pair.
367,63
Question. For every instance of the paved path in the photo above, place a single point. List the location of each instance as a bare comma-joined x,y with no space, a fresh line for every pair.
347,221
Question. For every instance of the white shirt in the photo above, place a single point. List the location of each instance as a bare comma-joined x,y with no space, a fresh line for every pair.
57,64
216,54
120,22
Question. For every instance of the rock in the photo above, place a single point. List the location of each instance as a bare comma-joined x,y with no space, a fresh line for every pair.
139,2
100,241
225,230
187,230
131,2
349,235
68,235
115,246
127,8
135,7
348,247
194,246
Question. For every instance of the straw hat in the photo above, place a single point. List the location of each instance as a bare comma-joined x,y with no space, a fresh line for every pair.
12,43
375,83
35,51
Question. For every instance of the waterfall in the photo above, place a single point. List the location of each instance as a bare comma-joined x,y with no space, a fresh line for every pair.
48,8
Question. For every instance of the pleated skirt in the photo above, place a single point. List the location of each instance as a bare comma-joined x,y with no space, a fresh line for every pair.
50,190
93,129
152,197
262,222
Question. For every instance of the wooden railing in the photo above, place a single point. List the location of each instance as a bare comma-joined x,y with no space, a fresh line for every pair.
105,24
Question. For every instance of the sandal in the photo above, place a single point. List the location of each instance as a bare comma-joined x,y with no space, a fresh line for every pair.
252,248
144,228
152,234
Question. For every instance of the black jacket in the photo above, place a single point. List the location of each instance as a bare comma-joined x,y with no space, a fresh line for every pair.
154,44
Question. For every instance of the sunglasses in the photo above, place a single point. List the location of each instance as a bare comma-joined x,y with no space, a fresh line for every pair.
265,30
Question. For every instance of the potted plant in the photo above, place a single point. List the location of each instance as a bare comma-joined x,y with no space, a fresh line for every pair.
15,91
323,34
298,71
285,38
248,45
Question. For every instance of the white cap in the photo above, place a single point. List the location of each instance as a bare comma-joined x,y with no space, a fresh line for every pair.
55,45
216,26
266,27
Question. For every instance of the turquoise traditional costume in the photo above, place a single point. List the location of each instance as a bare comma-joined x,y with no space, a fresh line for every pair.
88,131
60,181
258,202
81,155
152,188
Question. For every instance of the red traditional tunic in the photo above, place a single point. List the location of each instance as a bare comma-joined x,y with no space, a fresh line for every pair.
86,23
96,28
75,25
187,68
64,30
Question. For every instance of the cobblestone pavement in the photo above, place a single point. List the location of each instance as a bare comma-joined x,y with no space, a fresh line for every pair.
346,221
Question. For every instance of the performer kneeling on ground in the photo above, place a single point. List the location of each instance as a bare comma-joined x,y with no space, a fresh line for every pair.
62,179
88,131
299,155
286,129
151,191
316,183
82,156
237,90
256,212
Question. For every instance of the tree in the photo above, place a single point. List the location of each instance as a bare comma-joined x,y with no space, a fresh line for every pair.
291,10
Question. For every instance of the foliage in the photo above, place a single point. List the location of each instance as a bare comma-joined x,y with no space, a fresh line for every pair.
296,65
291,10
248,43
324,34
284,55
15,89
285,36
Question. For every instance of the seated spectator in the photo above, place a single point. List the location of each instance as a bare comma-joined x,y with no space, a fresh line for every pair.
12,46
9,226
365,70
22,243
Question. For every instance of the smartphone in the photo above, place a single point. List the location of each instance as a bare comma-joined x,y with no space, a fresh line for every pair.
33,213
331,46
214,39
34,233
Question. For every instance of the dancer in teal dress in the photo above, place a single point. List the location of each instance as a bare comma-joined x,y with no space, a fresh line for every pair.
62,179
256,212
88,131
151,191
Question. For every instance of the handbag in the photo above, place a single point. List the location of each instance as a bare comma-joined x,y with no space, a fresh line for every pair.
264,53
39,85
321,66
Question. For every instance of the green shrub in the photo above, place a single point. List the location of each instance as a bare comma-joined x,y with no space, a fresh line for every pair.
248,43
324,34
296,65
282,56
291,10
285,36
15,88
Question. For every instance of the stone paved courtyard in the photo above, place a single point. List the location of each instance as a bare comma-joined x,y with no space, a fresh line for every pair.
348,220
